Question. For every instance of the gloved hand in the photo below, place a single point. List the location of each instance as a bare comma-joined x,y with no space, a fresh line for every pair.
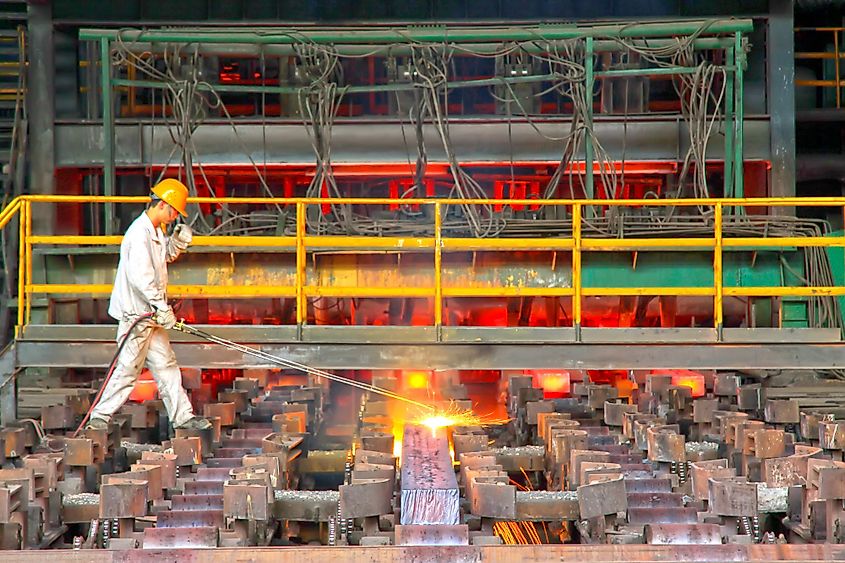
182,236
165,318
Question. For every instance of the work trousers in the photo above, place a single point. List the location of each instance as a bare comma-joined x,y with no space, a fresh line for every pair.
148,344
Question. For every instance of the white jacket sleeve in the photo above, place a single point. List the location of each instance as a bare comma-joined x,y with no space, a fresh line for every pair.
173,250
142,274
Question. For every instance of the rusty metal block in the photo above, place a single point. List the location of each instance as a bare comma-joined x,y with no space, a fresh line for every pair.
11,500
377,441
577,457
750,397
542,506
703,409
143,415
14,440
533,408
368,497
810,424
683,534
614,412
260,375
832,435
630,419
426,467
188,451
167,463
239,398
592,471
57,417
49,465
191,378
123,499
431,535
493,499
725,418
598,395
243,501
657,384
726,385
362,471
464,443
781,412
790,470
738,428
546,418
152,473
764,444
733,496
290,422
226,412
24,476
563,442
181,538
665,444
602,498
369,456
831,483
523,458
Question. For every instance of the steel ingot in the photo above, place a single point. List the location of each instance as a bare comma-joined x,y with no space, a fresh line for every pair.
368,497
764,444
181,538
49,465
362,471
665,444
791,470
167,462
250,385
563,442
369,456
142,415
733,496
724,418
630,418
810,425
246,501
599,470
657,384
293,422
614,412
641,431
782,411
602,498
493,499
577,457
522,458
123,499
750,397
726,385
738,427
703,471
816,466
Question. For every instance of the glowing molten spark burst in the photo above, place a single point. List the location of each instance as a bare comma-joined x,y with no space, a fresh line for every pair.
454,416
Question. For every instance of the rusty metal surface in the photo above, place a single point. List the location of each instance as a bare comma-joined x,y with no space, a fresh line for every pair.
494,554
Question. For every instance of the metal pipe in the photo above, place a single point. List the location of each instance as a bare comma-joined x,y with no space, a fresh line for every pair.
108,132
533,47
438,267
576,270
424,34
717,271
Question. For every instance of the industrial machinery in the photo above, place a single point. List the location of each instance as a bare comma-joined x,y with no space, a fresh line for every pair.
541,288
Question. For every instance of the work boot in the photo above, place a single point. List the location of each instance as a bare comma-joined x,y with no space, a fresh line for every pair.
97,424
195,423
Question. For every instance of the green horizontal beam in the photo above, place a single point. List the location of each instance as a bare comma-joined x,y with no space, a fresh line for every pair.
436,34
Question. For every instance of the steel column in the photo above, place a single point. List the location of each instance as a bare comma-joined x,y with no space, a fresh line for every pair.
780,45
108,133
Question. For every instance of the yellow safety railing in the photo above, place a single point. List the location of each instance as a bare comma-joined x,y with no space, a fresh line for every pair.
836,55
303,242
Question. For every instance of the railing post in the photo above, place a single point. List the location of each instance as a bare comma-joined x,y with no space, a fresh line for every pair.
21,269
438,270
108,133
576,270
28,252
301,303
717,271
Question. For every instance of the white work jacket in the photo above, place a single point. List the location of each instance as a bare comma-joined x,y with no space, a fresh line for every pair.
140,285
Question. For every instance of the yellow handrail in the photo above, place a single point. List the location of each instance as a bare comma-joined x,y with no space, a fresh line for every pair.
836,55
302,243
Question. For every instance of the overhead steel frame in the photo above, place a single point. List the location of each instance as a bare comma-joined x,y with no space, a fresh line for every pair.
597,38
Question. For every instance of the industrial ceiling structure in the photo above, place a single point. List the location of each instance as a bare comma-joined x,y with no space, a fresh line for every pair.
468,280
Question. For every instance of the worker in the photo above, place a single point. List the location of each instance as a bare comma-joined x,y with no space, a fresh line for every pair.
139,303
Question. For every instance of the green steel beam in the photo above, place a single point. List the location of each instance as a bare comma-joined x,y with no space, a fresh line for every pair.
739,169
730,85
108,133
426,34
589,182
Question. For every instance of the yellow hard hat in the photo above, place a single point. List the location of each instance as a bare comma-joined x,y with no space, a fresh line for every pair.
174,193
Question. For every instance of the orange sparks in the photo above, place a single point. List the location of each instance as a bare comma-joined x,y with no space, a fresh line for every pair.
454,416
